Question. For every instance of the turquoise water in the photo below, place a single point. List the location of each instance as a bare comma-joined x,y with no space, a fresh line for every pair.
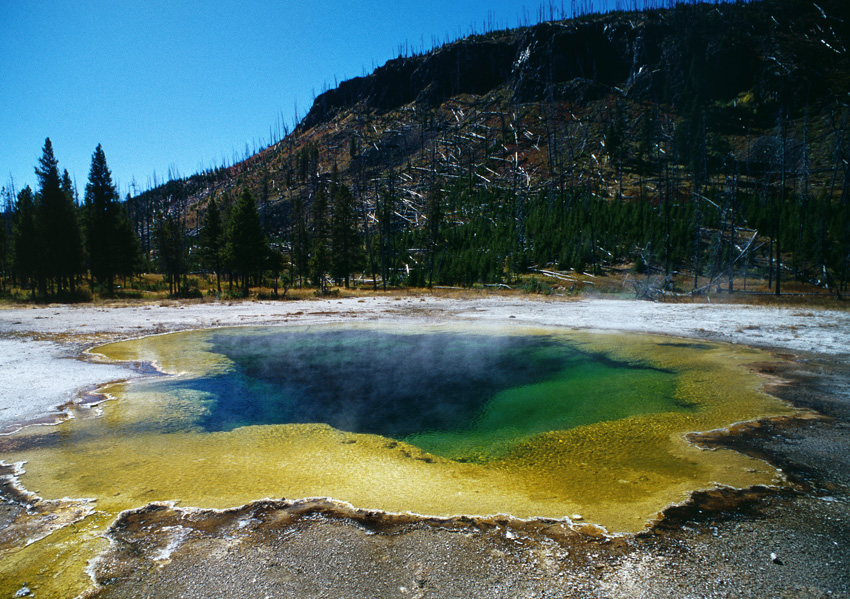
458,395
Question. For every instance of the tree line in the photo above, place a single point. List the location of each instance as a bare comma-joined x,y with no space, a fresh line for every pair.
316,248
695,217
471,234
691,208
51,241
55,247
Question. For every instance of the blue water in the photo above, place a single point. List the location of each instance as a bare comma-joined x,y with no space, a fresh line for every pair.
393,384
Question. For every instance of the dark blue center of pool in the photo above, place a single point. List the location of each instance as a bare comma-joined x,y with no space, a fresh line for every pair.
395,385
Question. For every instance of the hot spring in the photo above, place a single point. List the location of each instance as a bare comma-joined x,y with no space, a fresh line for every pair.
432,420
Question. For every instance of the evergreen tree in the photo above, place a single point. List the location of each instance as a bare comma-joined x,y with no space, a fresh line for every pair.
70,188
345,241
58,227
48,197
212,241
246,246
25,244
300,239
128,248
279,267
171,251
73,263
7,203
4,254
320,256
102,222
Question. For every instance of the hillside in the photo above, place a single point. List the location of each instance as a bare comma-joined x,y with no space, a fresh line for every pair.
703,143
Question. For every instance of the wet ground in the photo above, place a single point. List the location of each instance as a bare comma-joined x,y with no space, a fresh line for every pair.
760,543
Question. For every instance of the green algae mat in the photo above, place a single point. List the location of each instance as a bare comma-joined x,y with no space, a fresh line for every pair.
431,420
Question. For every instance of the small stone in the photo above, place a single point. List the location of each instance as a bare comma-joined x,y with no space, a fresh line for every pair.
775,559
24,591
576,517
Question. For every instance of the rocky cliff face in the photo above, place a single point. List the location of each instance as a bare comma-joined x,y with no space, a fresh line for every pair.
470,66
713,54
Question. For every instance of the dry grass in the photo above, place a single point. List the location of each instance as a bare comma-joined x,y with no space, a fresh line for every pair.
618,282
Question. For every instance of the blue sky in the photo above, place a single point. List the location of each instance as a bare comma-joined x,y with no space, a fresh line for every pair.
182,86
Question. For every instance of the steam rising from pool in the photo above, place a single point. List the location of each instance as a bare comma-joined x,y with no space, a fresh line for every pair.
458,395
438,421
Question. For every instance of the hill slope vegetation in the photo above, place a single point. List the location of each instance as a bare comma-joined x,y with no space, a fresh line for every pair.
697,147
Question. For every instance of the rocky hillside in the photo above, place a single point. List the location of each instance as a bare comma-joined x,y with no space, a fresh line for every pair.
663,108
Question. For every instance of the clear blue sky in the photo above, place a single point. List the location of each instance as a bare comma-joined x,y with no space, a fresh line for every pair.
185,85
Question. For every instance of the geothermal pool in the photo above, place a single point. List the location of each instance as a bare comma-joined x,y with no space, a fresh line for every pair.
432,420
462,396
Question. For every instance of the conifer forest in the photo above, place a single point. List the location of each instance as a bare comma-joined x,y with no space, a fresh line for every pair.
692,149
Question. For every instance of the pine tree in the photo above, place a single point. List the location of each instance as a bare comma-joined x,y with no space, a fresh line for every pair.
48,197
4,254
277,263
72,264
300,239
102,222
246,246
212,241
128,247
25,244
345,241
320,256
171,251
58,227
7,203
